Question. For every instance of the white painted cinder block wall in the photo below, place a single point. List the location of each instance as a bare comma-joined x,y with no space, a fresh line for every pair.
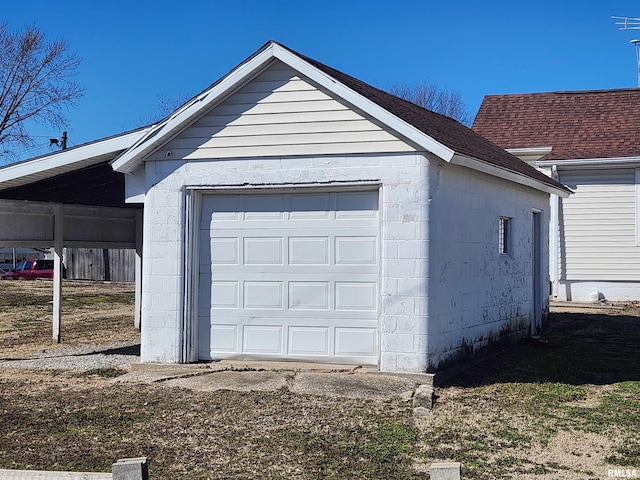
404,197
475,294
443,286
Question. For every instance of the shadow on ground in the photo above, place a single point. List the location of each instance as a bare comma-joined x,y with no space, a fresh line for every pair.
576,348
132,350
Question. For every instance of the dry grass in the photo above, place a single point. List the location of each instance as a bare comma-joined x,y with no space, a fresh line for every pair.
61,420
91,312
565,409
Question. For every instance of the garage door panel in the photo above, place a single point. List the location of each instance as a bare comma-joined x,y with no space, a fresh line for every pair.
308,251
262,339
263,251
350,205
221,251
356,296
226,208
356,250
225,294
310,206
309,295
290,276
224,338
312,341
264,207
356,341
262,295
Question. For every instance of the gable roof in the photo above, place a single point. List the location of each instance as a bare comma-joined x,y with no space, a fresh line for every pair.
576,125
442,136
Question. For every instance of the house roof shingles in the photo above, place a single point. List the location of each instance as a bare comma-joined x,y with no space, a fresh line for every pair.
577,125
441,128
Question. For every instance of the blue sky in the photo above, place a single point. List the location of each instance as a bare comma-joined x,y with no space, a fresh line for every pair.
135,50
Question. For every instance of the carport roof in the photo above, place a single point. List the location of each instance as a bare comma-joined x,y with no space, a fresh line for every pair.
75,158
78,175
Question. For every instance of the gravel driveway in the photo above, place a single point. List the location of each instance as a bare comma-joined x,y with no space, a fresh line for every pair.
84,356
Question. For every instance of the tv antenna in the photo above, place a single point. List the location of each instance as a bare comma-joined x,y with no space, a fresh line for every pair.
631,23
627,23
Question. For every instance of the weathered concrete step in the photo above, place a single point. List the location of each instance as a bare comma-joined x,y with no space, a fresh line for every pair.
124,469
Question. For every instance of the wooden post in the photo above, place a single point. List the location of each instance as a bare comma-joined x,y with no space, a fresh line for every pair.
58,243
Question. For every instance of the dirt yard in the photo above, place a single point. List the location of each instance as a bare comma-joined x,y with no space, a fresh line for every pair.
566,407
92,312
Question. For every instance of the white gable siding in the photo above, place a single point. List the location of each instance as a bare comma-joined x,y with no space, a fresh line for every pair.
279,113
599,220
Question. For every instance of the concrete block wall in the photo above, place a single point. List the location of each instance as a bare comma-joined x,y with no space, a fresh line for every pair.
162,263
475,294
404,195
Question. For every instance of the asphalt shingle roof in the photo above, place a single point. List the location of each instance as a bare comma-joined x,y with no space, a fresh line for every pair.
441,128
577,125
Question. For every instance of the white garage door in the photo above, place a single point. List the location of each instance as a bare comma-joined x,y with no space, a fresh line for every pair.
291,276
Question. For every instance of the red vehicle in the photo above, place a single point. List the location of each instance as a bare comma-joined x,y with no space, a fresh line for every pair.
30,270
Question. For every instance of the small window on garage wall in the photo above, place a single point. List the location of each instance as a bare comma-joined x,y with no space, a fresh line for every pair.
504,236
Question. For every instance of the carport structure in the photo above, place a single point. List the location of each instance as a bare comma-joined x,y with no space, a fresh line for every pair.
71,198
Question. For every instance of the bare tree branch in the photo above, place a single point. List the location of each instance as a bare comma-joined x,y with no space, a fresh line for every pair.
432,97
37,83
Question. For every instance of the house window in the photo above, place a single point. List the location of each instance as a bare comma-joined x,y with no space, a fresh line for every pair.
504,232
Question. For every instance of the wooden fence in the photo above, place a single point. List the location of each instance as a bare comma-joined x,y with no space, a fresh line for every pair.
115,265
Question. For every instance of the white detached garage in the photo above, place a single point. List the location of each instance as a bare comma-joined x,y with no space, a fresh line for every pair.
294,212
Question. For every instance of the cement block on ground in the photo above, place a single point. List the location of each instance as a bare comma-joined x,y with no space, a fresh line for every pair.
131,469
423,397
444,471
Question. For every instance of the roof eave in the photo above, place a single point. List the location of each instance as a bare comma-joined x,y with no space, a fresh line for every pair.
587,163
509,175
530,153
129,161
67,160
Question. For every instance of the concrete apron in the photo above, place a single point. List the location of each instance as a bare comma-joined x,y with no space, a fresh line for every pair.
351,381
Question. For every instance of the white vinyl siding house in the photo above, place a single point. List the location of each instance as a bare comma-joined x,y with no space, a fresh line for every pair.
599,224
588,141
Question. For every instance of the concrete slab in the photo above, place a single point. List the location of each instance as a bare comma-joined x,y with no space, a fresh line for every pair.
250,381
351,385
153,372
284,366
42,475
351,381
